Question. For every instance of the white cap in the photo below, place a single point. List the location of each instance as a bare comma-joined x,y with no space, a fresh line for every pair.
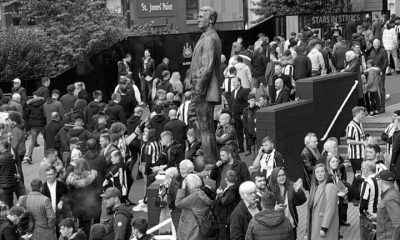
17,80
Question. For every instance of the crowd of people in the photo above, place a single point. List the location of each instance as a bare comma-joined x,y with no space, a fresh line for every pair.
91,148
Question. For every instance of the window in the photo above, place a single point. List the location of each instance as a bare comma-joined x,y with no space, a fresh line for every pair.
192,8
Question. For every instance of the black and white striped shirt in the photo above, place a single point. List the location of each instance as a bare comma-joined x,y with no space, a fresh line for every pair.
369,195
355,131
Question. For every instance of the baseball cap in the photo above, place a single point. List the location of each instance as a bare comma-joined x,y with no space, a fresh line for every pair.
111,192
386,175
17,80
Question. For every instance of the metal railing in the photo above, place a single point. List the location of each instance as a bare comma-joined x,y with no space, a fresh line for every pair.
172,236
339,111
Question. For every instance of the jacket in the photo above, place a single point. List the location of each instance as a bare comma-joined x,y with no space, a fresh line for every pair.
301,67
98,163
388,215
50,106
61,140
128,104
18,139
354,66
225,136
83,135
158,122
9,230
61,190
116,112
43,214
389,39
309,161
244,73
239,221
50,132
373,79
172,155
92,109
338,58
178,129
191,150
22,93
380,58
44,92
34,113
249,120
239,103
149,69
68,101
7,170
395,161
283,95
270,224
260,62
240,168
193,206
132,123
225,204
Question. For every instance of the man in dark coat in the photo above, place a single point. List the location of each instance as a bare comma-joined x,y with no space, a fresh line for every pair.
338,58
244,211
53,105
260,62
8,180
18,89
68,100
9,224
161,68
51,130
177,127
93,108
114,110
379,55
301,64
282,92
285,78
158,121
239,103
82,134
127,103
395,161
43,91
123,66
249,122
173,152
135,119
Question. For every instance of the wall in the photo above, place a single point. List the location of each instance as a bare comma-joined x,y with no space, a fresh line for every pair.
289,123
367,5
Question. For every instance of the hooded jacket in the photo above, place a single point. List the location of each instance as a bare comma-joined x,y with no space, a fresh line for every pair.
83,136
92,109
132,123
269,224
61,140
7,170
116,112
52,105
158,122
244,73
34,113
18,139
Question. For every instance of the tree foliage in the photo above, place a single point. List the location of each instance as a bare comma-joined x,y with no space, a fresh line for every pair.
65,33
266,8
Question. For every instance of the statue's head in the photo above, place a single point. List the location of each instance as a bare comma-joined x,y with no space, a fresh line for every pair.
207,16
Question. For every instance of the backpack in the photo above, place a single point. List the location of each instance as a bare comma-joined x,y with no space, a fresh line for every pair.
27,222
129,216
209,226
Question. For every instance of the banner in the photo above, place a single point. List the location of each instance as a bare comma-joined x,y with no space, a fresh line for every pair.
156,8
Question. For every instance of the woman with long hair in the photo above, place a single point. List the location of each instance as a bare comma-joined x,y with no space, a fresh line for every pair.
338,177
289,195
323,214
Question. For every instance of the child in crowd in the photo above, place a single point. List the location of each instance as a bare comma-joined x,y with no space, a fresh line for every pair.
117,175
139,227
372,87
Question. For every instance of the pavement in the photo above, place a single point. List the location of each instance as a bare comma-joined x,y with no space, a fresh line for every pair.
137,190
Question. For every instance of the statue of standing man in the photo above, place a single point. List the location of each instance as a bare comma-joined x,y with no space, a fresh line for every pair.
204,71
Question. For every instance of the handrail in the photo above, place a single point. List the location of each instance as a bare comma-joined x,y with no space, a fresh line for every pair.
160,225
339,111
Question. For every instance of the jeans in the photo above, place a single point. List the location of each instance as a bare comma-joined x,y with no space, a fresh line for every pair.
374,100
382,91
35,133
239,129
393,52
143,86
356,164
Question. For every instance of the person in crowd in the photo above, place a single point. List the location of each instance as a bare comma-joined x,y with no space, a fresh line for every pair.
317,60
118,224
127,103
301,64
372,88
117,176
69,231
177,127
177,85
17,141
247,56
146,74
237,46
323,202
228,86
185,167
225,202
243,73
270,223
282,92
8,170
395,160
229,162
114,110
310,156
35,119
388,209
192,145
387,134
79,131
338,56
226,133
10,222
372,152
183,109
369,197
164,82
42,211
376,27
288,196
51,129
287,81
53,105
379,55
356,139
390,43
260,62
165,212
244,211
339,179
68,100
164,65
17,88
50,159
98,232
239,103
43,91
124,68
158,121
249,123
15,103
261,182
194,204
173,152
139,229
82,194
267,158
269,84
353,65
93,108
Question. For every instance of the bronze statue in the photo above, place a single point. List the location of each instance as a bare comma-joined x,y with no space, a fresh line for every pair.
205,75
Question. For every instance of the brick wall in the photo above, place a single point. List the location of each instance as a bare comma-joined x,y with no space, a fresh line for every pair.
288,123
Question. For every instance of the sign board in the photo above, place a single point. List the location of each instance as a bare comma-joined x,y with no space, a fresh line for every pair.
157,8
318,21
